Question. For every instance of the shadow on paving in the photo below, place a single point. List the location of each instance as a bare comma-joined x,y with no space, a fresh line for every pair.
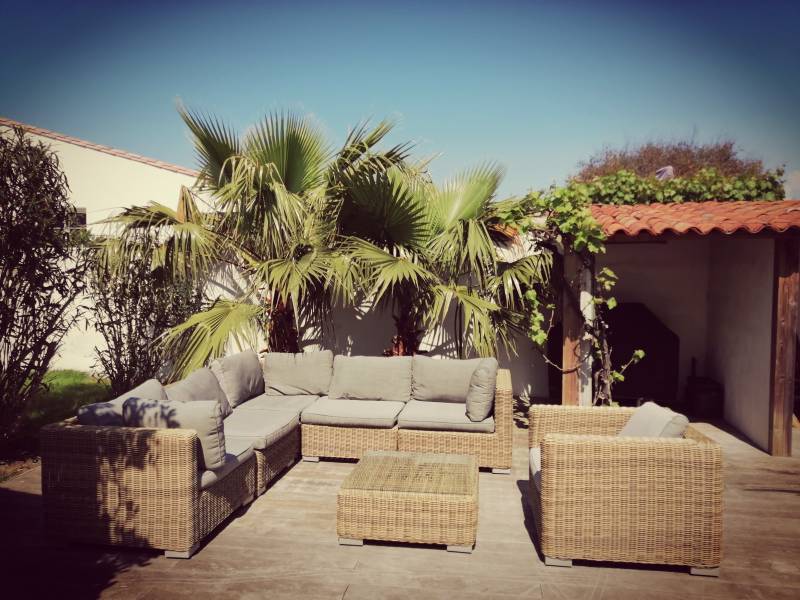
35,565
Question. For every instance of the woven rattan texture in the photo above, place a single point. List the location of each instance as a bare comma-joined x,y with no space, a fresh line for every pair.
645,500
415,498
133,486
493,450
281,455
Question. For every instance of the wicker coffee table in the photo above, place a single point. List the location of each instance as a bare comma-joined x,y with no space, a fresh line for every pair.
410,497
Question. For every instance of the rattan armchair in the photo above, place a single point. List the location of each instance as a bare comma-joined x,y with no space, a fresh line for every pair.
134,487
600,497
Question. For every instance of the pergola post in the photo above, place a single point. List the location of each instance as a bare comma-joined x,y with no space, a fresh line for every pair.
785,296
576,381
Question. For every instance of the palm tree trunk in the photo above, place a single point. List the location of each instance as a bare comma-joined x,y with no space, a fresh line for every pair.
283,336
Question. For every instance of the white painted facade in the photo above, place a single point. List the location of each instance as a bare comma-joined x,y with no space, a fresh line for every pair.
740,331
103,183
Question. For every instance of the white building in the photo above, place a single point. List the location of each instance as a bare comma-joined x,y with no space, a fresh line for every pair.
103,181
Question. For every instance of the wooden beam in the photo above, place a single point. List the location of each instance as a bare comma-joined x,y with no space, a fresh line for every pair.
571,323
785,296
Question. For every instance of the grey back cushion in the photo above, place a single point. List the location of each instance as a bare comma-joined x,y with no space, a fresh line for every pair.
203,416
199,385
304,373
480,397
110,413
441,380
371,378
652,420
239,376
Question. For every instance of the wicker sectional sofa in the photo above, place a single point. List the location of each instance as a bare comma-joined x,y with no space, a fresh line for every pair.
163,467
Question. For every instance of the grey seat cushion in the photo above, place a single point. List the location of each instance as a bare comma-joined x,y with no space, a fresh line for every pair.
305,373
352,413
535,464
199,385
268,402
110,413
203,416
239,376
482,384
652,420
441,416
371,378
441,379
261,428
237,451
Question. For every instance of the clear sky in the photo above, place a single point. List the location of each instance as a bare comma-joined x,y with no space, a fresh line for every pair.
536,86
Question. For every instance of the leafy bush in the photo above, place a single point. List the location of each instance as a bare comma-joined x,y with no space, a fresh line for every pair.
42,270
687,158
133,307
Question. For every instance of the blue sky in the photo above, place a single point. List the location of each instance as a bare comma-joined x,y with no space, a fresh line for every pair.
536,86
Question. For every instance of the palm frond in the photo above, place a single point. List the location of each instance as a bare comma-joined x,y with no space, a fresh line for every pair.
477,316
385,209
466,196
293,146
385,272
214,142
206,335
514,278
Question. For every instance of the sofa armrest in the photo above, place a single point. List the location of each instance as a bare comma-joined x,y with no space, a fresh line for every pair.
631,494
544,419
504,403
119,484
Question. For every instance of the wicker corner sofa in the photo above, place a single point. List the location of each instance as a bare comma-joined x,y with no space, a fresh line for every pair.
596,495
107,481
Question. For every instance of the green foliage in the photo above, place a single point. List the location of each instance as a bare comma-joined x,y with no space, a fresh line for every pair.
134,304
686,157
63,392
41,270
625,187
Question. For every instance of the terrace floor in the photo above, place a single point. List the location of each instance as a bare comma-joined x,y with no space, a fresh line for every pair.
284,546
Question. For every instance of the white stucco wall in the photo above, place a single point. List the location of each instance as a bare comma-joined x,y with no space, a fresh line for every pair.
360,332
104,184
739,331
671,279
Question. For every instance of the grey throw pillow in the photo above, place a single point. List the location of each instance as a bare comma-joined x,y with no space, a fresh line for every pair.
480,397
239,376
304,373
441,379
652,420
203,416
371,378
199,385
110,413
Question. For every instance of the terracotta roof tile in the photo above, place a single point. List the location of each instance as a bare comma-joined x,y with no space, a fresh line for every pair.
99,148
698,217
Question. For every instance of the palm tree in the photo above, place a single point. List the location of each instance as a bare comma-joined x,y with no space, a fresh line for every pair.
300,228
429,252
270,226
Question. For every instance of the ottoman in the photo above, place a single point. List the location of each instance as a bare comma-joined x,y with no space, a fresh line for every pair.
410,497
